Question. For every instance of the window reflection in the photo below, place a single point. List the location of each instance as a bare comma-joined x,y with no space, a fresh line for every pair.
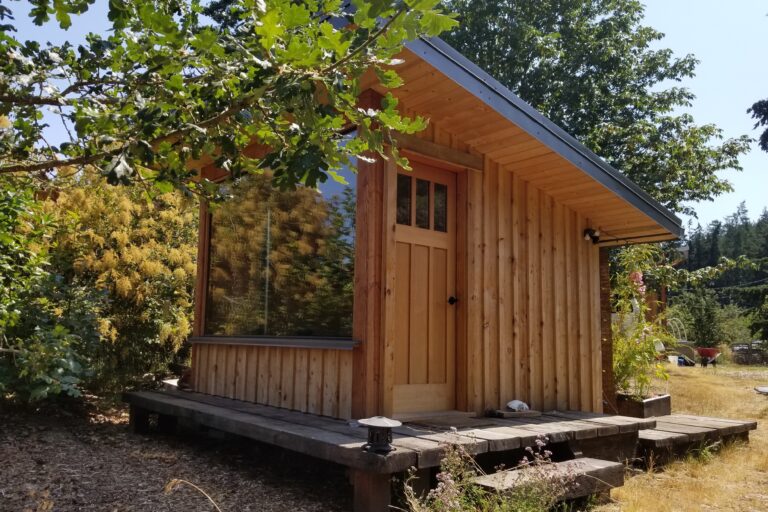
404,199
441,207
281,263
422,204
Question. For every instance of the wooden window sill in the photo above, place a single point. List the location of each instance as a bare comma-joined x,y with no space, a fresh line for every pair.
314,342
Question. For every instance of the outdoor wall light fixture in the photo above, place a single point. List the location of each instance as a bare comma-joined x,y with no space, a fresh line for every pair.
592,234
379,434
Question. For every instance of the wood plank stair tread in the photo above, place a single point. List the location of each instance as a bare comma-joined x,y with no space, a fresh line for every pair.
659,439
582,477
681,429
746,424
693,433
724,428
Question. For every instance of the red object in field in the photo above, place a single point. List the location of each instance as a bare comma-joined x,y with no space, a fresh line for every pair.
709,353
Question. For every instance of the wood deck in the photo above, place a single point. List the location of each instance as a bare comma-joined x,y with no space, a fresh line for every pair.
420,443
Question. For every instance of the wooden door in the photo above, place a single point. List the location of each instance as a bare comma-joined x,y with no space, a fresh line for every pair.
425,285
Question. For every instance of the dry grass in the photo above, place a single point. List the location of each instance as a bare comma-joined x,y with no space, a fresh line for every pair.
736,478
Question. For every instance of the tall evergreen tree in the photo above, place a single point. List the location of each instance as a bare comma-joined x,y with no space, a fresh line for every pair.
744,289
713,238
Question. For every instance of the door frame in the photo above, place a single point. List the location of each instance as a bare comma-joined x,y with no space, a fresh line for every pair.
388,277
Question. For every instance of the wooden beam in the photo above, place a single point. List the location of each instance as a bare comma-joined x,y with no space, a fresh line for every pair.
444,155
606,340
367,310
372,491
388,259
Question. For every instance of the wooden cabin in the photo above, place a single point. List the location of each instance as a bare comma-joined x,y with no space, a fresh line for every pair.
477,278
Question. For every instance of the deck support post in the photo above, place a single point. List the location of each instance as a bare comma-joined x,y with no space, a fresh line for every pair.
138,419
372,491
166,424
606,339
422,481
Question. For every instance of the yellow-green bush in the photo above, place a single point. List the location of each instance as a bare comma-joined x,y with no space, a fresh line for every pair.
139,254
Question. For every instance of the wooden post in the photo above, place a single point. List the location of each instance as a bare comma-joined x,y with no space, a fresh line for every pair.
422,482
138,419
367,309
166,424
372,491
606,340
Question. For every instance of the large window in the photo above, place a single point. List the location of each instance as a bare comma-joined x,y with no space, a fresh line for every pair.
281,263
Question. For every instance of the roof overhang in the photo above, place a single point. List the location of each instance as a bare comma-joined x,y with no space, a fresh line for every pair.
443,85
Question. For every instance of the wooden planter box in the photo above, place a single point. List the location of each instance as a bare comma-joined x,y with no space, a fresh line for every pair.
654,406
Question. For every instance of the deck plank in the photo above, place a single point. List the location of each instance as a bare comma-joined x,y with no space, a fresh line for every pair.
429,452
659,439
624,423
602,429
726,426
318,442
498,441
553,432
473,445
722,420
695,434
682,429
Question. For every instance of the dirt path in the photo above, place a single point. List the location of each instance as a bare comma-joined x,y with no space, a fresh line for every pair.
88,460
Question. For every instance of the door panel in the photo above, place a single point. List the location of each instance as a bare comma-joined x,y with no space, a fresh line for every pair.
425,278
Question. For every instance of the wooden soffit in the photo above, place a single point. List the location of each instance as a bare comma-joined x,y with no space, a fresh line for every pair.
491,121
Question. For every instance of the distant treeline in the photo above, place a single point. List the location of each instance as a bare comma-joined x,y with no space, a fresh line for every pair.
745,288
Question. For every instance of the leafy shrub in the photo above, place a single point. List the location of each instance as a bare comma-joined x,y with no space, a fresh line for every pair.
138,253
44,323
96,286
635,336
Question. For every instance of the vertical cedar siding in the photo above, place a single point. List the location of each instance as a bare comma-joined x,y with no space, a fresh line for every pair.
529,317
540,302
529,321
606,339
307,380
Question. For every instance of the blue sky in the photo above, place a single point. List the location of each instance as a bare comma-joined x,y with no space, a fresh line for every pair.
727,37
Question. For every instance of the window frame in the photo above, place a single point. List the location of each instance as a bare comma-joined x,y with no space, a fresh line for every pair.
199,335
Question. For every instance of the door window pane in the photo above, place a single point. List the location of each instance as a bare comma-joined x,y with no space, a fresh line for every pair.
404,199
422,204
441,207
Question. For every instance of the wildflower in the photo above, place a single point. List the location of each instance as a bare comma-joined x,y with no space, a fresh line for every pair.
637,278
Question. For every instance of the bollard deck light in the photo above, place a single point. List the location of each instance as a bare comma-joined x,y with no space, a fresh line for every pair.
379,434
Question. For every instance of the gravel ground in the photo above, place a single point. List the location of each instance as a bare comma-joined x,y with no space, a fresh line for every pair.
84,458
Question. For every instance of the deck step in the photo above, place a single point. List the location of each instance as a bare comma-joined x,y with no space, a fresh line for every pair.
678,431
583,477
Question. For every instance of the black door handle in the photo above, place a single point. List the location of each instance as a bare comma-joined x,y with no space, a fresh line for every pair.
452,300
